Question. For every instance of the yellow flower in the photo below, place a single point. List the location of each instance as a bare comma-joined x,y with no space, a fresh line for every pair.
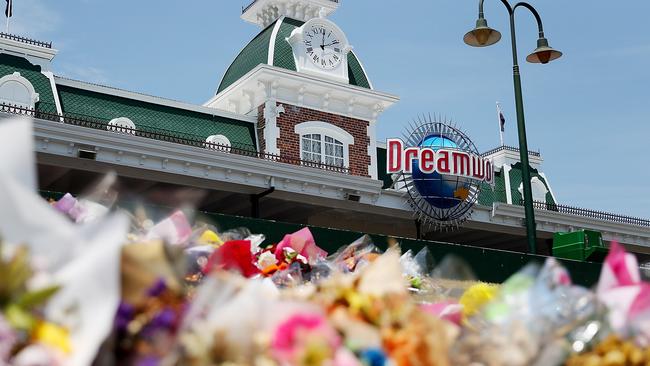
54,336
476,297
209,237
357,301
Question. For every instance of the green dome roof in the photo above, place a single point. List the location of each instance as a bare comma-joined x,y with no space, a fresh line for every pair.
257,52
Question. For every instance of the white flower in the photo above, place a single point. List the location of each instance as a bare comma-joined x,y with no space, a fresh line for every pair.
266,260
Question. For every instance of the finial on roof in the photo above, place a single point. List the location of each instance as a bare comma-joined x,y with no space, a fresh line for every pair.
265,12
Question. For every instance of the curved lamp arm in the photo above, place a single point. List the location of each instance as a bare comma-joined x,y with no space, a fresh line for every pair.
526,5
511,10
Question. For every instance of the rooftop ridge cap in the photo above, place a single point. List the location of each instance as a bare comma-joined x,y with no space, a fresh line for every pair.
122,89
200,108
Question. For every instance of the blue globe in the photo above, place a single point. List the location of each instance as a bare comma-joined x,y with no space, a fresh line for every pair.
443,192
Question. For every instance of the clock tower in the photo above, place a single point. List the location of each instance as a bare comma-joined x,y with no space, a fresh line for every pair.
314,102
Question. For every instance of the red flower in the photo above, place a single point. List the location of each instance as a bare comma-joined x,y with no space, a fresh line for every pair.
233,256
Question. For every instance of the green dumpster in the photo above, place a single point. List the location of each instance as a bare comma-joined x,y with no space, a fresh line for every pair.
582,245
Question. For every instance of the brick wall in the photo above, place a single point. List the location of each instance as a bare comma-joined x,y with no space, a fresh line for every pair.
289,141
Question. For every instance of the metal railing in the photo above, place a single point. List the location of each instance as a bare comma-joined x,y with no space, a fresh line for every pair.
34,42
168,136
245,8
594,214
510,148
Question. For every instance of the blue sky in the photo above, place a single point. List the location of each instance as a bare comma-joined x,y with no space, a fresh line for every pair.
588,113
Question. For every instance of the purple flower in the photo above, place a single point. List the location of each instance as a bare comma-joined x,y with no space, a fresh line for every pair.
158,288
124,316
148,361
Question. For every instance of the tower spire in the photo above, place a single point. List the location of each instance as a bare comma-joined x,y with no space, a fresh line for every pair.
265,12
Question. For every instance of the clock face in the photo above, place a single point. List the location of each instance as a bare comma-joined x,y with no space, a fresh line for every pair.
323,46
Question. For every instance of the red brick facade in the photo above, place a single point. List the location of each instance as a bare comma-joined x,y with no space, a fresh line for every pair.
289,141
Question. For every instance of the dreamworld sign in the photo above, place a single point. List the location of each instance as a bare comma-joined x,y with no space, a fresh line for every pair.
443,161
441,171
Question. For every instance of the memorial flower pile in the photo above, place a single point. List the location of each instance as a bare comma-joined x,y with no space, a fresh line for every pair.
95,285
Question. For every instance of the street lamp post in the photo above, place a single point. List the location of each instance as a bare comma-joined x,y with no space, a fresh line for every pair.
481,36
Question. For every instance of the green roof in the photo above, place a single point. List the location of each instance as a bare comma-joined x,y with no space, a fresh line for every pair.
10,64
151,117
257,52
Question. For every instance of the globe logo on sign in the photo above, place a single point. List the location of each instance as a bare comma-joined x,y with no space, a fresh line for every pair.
440,170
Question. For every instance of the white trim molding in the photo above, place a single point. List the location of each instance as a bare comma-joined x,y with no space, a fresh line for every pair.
266,82
271,130
37,55
274,35
373,168
13,83
324,128
508,185
55,91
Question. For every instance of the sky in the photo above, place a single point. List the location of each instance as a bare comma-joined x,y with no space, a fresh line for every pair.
588,113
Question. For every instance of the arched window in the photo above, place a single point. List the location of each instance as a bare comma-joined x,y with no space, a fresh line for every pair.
15,90
122,125
218,142
538,188
324,143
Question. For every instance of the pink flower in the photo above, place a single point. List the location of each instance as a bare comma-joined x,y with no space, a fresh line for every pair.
8,339
175,229
303,243
305,336
450,311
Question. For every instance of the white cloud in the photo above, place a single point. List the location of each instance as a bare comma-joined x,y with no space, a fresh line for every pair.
34,18
84,73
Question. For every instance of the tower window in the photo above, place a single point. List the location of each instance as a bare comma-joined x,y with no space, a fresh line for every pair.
324,143
333,152
322,149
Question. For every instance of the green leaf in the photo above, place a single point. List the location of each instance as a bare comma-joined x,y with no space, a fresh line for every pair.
19,318
36,298
19,271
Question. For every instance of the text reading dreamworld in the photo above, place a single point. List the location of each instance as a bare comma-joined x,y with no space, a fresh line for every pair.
444,161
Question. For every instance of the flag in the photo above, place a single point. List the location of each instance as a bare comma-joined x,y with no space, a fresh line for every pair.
502,118
9,11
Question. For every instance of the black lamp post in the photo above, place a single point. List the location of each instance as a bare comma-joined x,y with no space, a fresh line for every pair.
483,36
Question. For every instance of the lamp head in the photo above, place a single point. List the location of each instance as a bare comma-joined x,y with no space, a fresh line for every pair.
482,35
543,54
